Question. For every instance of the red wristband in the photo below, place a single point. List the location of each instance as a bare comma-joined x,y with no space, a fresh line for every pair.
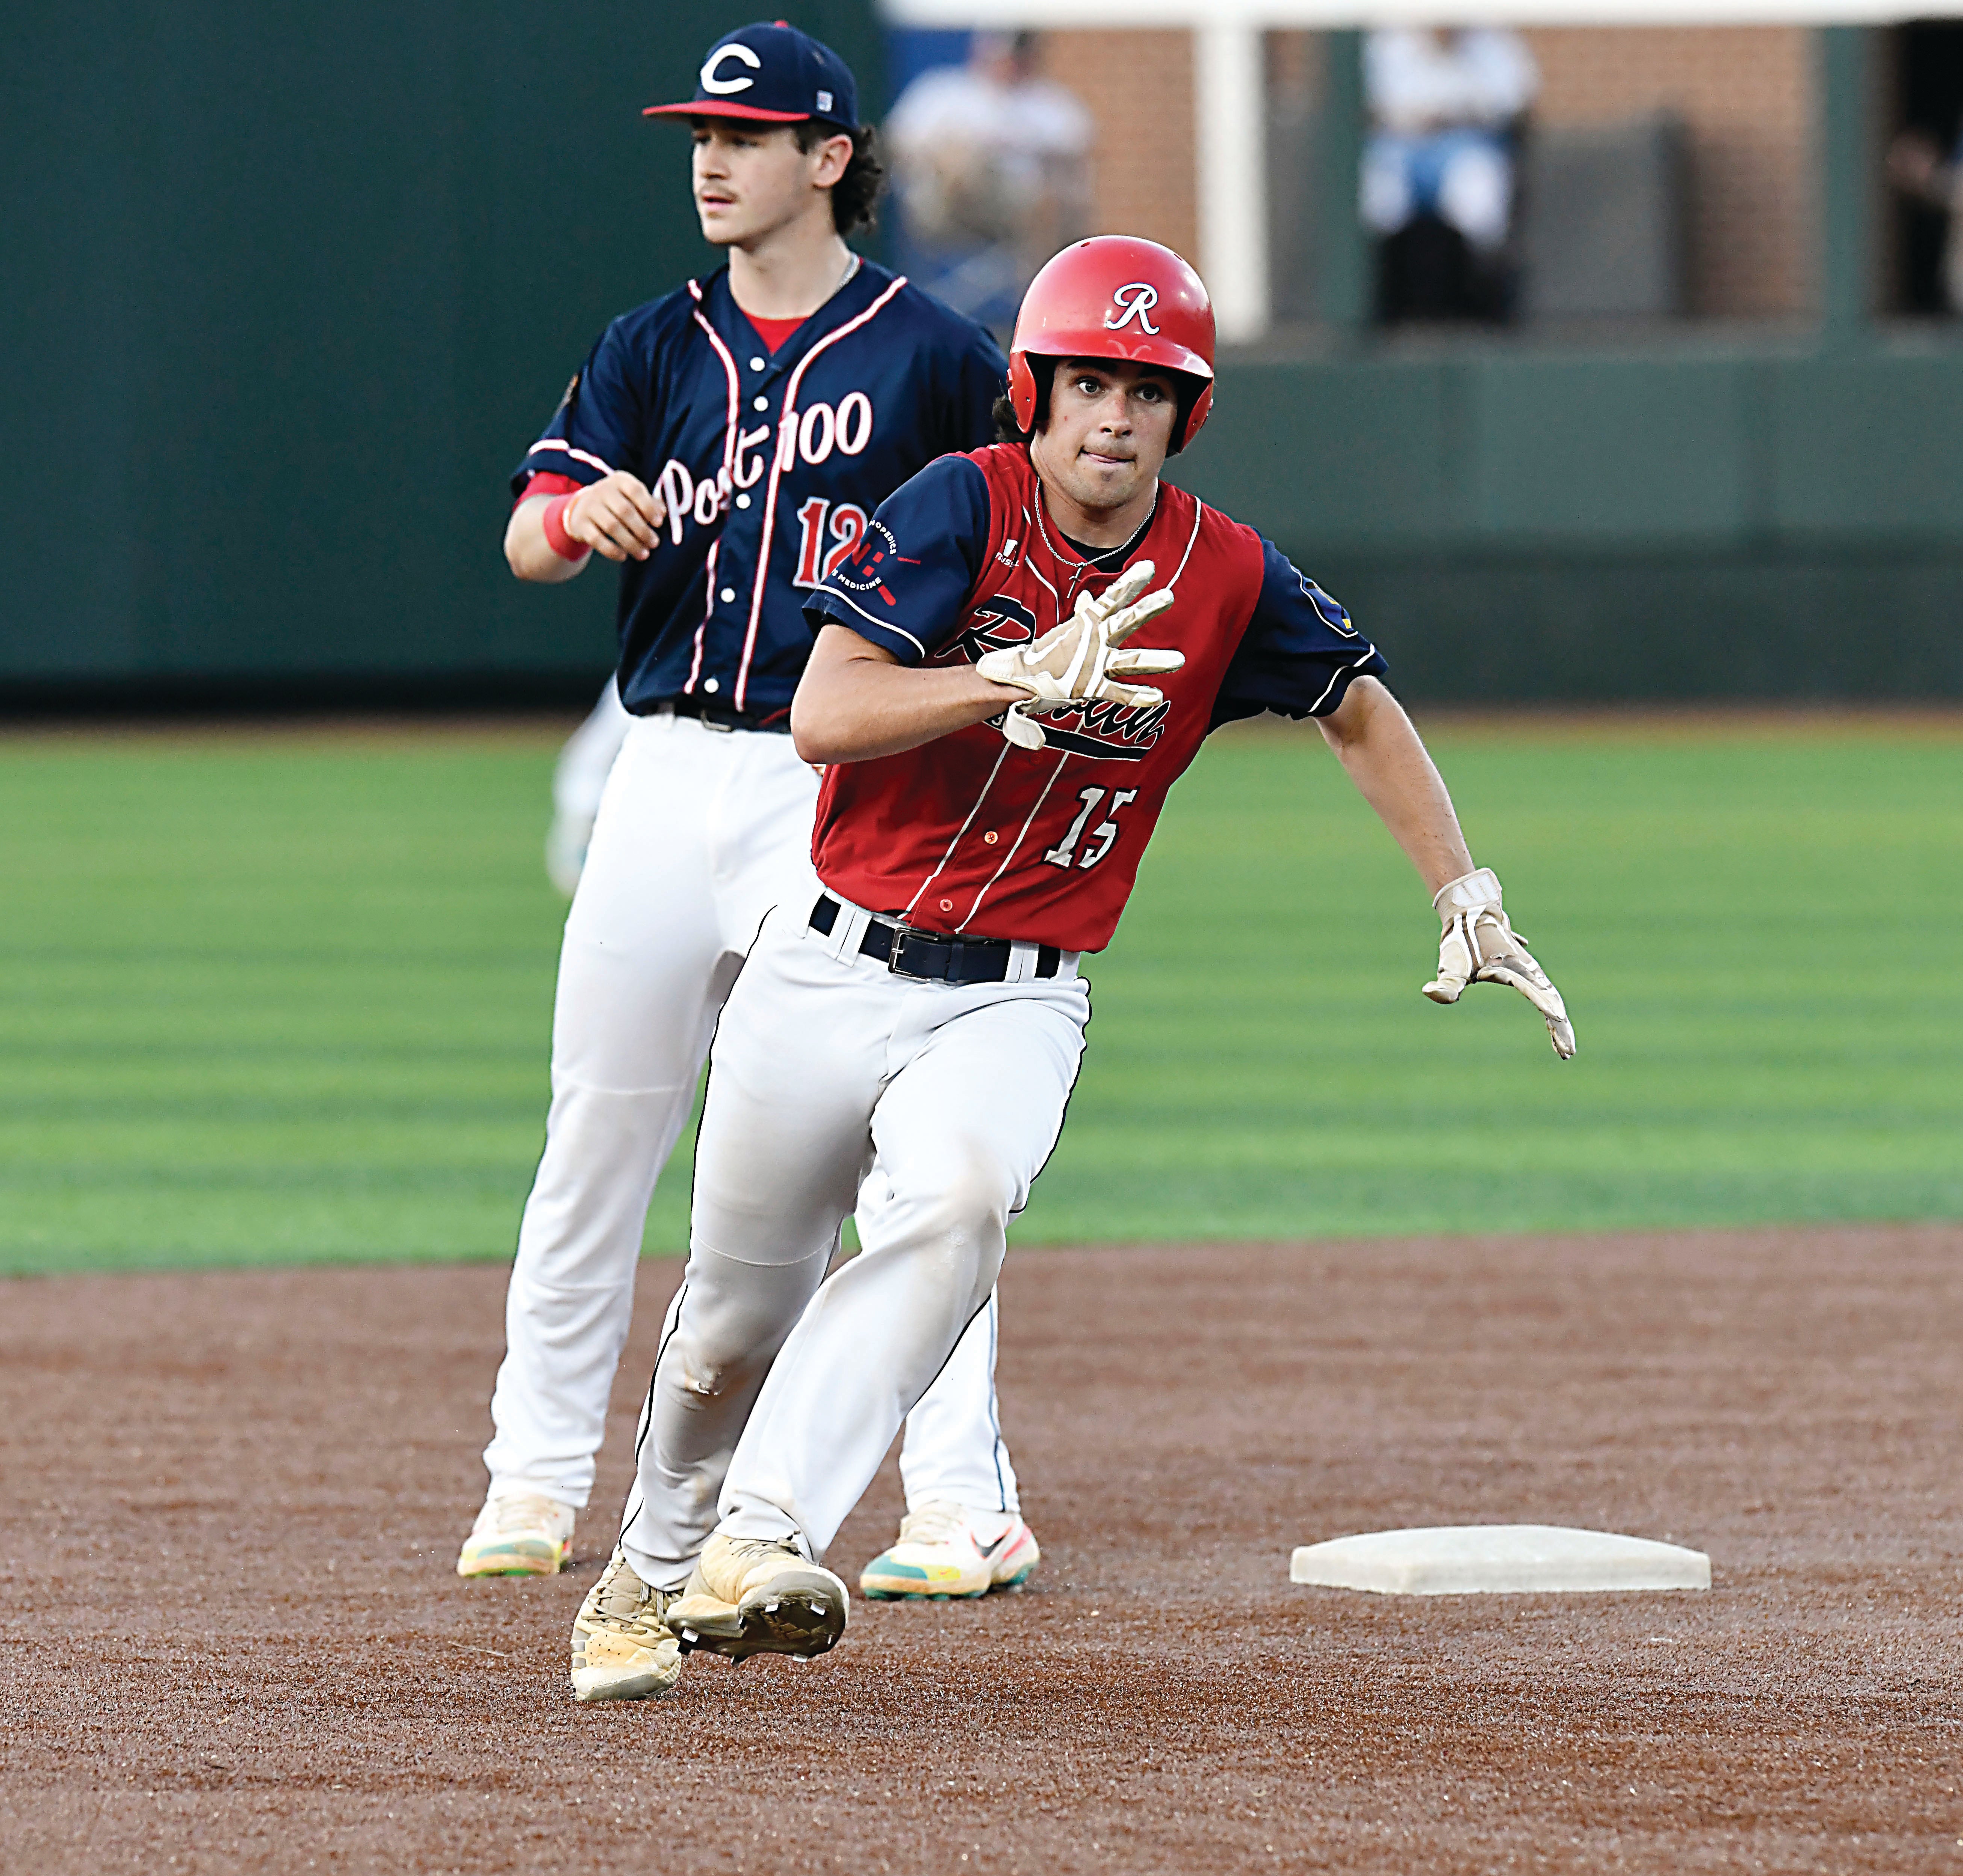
557,539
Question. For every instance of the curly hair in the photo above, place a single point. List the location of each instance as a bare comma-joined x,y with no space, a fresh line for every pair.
855,196
1008,431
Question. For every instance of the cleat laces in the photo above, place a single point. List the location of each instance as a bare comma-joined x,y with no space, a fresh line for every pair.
512,1517
939,1523
629,1606
756,1550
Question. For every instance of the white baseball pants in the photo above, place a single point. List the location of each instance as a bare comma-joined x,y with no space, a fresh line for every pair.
699,831
777,1391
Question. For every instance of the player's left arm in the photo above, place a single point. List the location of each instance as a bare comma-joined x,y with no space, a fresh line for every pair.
1377,745
1301,655
1393,772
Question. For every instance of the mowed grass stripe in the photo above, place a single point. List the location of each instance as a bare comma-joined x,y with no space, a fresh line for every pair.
281,998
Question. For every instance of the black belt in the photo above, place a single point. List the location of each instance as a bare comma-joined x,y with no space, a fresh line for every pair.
778,724
907,952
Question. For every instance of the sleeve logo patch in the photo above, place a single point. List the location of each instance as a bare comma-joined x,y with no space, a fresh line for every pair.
860,571
1331,611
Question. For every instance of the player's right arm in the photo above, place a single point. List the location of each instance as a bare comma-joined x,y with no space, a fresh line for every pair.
618,517
856,701
871,687
592,506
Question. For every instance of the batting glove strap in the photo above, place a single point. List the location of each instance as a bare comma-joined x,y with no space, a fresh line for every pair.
1479,946
1468,893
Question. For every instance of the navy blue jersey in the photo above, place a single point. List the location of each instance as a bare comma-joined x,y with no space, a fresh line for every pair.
769,464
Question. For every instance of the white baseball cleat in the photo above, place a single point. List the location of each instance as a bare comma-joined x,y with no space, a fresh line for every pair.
622,1648
940,1555
518,1534
751,1596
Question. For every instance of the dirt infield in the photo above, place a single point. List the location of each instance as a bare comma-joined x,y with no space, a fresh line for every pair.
231,1638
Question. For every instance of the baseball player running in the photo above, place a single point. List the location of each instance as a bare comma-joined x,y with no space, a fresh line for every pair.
726,446
997,767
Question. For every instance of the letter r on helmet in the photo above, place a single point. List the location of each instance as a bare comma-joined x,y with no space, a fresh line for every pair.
1130,303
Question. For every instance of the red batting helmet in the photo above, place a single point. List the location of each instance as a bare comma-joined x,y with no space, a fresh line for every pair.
1116,296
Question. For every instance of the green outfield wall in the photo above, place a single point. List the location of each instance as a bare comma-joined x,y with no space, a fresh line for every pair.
1750,517
285,293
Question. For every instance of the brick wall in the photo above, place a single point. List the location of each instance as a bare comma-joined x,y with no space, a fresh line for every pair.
1746,94
1138,87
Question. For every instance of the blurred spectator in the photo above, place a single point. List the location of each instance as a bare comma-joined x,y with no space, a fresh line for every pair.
1447,109
990,169
1918,167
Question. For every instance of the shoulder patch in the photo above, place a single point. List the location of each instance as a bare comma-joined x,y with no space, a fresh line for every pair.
1331,610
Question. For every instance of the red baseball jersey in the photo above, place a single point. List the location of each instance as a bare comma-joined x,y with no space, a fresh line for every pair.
970,834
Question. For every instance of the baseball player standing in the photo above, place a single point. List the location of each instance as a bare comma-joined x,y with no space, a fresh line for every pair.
996,770
726,446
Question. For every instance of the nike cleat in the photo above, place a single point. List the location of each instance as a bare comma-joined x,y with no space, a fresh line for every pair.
518,1534
940,1555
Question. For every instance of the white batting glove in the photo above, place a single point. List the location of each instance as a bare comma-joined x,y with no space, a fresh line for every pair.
1080,662
1479,946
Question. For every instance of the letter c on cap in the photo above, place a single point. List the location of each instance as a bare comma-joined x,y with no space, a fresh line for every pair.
723,87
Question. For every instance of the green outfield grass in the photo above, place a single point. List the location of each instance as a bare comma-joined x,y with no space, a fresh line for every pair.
278,997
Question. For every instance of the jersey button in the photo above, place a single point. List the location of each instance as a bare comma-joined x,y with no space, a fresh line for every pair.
991,837
711,686
947,905
728,594
762,403
742,502
756,364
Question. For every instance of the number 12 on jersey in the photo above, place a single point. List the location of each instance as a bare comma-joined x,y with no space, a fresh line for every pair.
847,530
1104,834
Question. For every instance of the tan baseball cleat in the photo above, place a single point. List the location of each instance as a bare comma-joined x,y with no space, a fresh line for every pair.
518,1534
751,1596
622,1648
